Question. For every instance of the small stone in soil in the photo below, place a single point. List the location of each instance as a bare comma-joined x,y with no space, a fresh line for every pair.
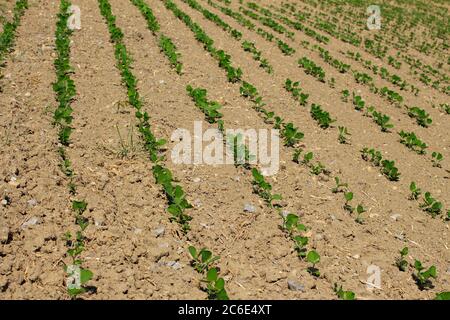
249,208
159,231
295,286
30,222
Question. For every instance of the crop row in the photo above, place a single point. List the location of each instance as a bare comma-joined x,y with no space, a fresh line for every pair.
291,137
236,34
202,260
9,28
65,91
282,46
374,48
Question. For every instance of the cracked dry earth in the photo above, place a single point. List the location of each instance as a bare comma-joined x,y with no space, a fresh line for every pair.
132,248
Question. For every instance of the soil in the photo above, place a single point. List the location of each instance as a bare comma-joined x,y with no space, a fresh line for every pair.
129,257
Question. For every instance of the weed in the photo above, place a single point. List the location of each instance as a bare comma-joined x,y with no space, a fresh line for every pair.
343,133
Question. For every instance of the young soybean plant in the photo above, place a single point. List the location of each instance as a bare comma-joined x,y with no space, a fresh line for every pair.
202,261
431,205
360,210
339,186
314,258
415,191
263,188
400,262
344,295
423,277
348,197
436,159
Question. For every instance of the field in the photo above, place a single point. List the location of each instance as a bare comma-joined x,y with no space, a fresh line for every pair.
93,206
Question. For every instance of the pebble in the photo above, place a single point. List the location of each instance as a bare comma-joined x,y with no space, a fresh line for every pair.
356,256
295,286
196,180
32,202
174,265
30,222
396,216
4,202
318,236
4,234
249,208
159,231
197,203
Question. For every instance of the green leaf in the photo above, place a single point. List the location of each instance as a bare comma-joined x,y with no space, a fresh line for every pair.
193,252
220,284
443,296
212,275
313,257
85,275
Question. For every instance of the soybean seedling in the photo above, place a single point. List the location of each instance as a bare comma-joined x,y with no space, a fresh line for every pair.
401,263
345,95
263,188
307,158
423,278
447,218
443,296
415,191
314,258
318,169
300,245
339,185
343,133
215,286
296,155
431,205
436,159
348,197
382,120
344,295
291,223
202,259
360,210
